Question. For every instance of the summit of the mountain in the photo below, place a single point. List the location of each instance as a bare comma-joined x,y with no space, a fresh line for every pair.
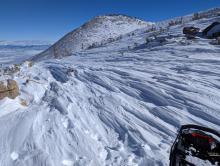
98,30
121,103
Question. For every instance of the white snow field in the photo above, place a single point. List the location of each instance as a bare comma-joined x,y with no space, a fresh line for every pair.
120,104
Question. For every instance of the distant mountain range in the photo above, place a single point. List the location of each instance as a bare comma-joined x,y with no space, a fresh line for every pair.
24,43
119,100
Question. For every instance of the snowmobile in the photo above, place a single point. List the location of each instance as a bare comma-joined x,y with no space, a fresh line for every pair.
194,146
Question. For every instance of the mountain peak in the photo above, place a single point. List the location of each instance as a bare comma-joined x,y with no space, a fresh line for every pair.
117,16
96,31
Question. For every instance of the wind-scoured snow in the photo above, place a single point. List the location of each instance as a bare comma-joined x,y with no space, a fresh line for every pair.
120,104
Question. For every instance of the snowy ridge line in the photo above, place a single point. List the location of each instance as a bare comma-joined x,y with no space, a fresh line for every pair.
163,25
64,45
191,17
112,105
92,33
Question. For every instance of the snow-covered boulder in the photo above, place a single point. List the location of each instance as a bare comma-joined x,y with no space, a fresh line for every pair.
9,89
95,32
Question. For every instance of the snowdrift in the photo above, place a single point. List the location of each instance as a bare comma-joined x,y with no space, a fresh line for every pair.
120,104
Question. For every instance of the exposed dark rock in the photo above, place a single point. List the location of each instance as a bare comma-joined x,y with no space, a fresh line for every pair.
190,30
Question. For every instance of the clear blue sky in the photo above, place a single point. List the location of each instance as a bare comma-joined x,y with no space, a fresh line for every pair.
51,19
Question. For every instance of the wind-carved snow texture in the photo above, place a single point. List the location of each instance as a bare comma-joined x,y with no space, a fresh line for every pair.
112,105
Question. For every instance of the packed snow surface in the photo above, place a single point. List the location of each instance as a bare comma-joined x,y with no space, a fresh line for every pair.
120,104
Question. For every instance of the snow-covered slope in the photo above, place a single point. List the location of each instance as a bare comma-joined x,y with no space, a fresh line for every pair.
95,32
120,104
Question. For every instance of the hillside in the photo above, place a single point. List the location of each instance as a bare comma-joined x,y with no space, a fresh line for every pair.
101,29
120,104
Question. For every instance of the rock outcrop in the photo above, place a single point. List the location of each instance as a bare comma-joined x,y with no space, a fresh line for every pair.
190,30
9,89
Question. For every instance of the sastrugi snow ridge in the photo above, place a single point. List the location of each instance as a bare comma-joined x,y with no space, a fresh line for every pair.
117,104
